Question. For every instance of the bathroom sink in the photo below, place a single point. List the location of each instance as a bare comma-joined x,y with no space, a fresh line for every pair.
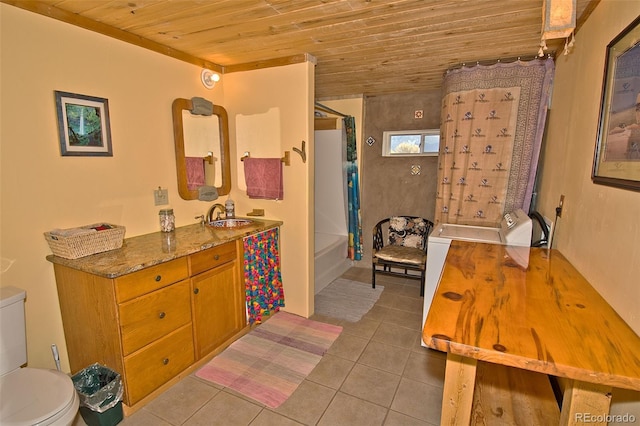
230,223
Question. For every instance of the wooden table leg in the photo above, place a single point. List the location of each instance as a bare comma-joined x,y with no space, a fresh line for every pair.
585,403
457,398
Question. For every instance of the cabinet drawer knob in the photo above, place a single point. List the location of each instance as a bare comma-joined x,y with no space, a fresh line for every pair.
216,257
165,361
162,315
158,278
196,290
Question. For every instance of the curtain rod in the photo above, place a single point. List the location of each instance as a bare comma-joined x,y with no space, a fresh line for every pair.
327,109
500,60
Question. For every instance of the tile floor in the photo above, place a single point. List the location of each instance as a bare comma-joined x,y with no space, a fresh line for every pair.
375,373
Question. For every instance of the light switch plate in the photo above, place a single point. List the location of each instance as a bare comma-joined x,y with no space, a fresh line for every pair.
161,196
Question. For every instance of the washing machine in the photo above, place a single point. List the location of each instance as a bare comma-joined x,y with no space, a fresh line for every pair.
514,231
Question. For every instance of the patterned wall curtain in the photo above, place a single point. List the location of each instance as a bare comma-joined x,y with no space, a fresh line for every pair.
262,277
353,191
493,120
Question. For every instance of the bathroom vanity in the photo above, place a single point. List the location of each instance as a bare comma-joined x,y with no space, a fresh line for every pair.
157,308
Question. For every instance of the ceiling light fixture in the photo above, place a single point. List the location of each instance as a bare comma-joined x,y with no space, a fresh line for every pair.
209,78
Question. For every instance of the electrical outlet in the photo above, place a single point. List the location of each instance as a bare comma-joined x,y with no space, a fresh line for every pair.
560,206
161,196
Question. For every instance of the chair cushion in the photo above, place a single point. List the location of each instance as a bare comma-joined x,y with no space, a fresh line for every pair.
401,254
407,232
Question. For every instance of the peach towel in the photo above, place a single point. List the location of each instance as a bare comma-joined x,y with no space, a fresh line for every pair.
195,172
264,178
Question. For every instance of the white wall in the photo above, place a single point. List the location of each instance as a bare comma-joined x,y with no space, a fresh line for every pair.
267,125
330,193
599,231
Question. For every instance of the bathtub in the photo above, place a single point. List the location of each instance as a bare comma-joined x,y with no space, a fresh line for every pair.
330,258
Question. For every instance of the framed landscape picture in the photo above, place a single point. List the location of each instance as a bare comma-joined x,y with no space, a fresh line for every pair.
617,155
83,125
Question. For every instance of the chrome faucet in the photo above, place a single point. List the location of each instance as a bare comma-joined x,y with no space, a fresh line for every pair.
212,209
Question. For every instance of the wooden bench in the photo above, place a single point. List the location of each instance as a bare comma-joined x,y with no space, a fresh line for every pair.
512,396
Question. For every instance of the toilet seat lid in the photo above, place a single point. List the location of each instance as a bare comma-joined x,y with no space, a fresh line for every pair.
32,395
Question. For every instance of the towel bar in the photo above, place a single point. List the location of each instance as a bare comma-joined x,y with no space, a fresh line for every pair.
286,159
209,158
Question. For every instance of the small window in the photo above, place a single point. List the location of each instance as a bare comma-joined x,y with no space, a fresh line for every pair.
410,142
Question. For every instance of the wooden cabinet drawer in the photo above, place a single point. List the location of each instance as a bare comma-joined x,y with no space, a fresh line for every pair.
157,363
149,317
150,279
213,257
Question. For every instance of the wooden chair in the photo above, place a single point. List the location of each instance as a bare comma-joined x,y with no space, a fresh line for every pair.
405,249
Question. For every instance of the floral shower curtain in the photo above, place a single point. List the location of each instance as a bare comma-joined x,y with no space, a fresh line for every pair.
493,120
353,191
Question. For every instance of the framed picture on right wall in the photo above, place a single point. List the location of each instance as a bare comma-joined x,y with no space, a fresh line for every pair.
617,154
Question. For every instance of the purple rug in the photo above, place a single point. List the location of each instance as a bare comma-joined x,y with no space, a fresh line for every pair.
271,361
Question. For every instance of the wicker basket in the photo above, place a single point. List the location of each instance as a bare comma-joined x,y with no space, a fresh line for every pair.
106,237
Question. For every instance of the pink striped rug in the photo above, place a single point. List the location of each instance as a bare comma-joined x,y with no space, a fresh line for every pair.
271,361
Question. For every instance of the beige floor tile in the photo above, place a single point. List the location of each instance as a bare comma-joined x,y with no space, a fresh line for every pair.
435,353
390,286
418,400
412,289
242,396
358,274
425,368
371,384
269,418
377,313
307,403
331,371
385,357
406,319
396,335
144,418
351,411
348,346
419,347
225,409
388,299
405,303
326,319
411,304
365,328
399,419
182,400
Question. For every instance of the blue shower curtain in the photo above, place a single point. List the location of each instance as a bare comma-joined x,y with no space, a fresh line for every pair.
353,191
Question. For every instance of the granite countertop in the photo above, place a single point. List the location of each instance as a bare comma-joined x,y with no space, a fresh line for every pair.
148,250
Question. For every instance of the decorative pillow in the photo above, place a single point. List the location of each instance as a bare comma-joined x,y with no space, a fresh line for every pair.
404,231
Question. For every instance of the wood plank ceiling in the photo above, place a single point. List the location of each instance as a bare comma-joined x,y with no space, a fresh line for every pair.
362,47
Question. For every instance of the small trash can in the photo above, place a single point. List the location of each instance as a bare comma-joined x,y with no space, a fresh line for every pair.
100,391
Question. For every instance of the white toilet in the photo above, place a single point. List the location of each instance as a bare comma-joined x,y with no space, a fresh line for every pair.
29,396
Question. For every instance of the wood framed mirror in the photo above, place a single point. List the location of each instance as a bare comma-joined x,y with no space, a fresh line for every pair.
201,136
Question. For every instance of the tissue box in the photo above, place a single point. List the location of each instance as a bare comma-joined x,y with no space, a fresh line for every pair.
73,243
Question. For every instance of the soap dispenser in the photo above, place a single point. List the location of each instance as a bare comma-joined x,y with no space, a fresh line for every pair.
229,209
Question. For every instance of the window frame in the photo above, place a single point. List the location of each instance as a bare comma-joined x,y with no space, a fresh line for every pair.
386,142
